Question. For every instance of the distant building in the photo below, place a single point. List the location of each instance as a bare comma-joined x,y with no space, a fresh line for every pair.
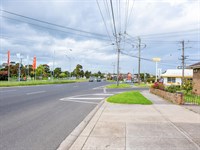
173,76
196,77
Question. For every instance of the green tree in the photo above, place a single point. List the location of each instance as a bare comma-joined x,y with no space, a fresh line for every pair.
46,70
78,70
57,72
40,71
67,73
62,75
87,74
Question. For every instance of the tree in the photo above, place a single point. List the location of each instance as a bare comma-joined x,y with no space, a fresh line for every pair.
67,73
78,71
82,73
62,75
57,72
46,70
87,74
40,70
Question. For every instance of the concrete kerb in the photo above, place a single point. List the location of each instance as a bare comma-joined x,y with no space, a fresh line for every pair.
69,140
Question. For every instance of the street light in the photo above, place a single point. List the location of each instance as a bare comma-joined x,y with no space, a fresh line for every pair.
52,74
156,59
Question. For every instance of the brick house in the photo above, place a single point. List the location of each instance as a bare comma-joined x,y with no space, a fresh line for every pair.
196,77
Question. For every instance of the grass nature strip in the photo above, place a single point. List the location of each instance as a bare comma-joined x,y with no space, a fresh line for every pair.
37,82
131,97
114,86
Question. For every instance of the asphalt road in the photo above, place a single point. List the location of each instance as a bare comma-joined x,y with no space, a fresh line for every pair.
40,117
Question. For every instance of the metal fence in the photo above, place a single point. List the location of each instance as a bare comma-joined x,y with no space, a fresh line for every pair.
192,99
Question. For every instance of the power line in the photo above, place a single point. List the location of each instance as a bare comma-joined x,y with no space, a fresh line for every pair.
166,33
108,12
113,17
103,20
130,14
61,26
89,36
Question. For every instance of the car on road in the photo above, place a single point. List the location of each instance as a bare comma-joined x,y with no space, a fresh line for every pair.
98,79
91,79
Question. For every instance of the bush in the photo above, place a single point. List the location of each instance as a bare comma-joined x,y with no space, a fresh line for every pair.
158,85
187,86
152,79
173,88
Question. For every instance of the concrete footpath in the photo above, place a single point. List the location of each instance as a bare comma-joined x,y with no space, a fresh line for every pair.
161,126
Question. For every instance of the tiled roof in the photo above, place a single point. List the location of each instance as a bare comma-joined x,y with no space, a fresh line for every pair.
196,65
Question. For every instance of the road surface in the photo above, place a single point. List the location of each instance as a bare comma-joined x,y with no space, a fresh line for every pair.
41,117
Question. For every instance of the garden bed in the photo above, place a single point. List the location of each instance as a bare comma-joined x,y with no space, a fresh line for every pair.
176,98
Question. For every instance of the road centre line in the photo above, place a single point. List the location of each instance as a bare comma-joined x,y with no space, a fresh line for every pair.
38,92
86,102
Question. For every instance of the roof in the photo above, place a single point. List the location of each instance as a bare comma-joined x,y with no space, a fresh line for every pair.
194,66
177,73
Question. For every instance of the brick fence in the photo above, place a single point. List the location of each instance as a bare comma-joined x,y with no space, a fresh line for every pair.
176,98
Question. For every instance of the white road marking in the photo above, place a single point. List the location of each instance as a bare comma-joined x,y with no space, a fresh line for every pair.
103,94
35,92
86,102
8,91
99,87
104,90
87,98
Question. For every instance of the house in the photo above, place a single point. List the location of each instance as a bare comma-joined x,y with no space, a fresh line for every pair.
196,77
173,76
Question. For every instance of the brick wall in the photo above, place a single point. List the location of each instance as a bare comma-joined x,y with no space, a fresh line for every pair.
173,97
196,81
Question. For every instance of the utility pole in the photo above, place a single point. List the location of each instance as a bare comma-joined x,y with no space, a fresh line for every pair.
53,64
19,69
139,59
183,62
118,54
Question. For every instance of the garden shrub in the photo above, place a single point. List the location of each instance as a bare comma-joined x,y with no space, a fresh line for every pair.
187,86
173,88
158,85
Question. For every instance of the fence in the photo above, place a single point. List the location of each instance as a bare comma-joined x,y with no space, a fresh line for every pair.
192,99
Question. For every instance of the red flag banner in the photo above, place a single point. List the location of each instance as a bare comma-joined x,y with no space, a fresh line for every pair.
34,62
8,58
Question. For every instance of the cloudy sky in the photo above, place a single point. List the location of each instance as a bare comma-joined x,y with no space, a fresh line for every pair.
82,32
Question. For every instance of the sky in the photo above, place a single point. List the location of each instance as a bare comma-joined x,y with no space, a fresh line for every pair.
64,33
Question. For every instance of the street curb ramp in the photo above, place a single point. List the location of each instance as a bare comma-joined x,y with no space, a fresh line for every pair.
70,139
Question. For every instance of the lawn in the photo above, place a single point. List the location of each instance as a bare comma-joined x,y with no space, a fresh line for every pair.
131,97
192,99
37,82
114,86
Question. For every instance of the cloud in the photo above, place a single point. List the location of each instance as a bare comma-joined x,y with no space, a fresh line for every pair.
148,17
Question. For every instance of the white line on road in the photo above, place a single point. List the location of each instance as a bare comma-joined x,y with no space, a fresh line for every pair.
86,102
103,94
7,91
35,92
87,98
